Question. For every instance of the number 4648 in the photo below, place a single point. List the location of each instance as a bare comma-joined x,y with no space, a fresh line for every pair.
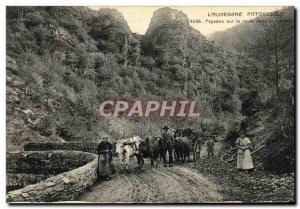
195,21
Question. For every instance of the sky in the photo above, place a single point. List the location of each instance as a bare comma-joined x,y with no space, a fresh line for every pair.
138,18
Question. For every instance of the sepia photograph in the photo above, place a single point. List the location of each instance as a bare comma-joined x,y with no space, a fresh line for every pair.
150,104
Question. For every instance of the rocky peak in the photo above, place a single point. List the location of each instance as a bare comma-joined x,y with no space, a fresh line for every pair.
168,15
167,36
111,18
111,31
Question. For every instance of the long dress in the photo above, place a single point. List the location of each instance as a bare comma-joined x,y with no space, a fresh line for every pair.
105,166
244,159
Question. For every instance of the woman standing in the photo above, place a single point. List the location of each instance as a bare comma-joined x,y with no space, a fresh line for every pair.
244,159
105,166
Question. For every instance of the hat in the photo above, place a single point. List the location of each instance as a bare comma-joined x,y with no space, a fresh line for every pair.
165,127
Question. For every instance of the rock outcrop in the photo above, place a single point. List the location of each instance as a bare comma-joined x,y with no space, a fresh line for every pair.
110,30
188,58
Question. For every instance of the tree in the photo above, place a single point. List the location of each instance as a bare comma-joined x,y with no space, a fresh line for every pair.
273,46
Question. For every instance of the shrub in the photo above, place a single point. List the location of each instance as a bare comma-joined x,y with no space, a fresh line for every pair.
45,126
33,20
279,154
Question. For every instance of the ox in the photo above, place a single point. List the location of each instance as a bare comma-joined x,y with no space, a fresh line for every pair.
127,149
151,147
182,148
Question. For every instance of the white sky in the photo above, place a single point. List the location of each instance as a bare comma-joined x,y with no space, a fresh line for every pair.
138,18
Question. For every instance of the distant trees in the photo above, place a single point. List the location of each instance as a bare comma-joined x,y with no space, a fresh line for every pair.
273,46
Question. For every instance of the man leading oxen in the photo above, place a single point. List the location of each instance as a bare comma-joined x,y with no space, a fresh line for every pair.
167,143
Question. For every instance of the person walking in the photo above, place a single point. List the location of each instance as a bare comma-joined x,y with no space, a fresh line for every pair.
210,144
244,158
105,166
167,143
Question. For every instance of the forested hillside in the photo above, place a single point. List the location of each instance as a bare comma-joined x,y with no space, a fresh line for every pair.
63,61
270,106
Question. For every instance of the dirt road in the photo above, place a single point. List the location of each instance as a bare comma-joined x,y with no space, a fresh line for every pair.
177,184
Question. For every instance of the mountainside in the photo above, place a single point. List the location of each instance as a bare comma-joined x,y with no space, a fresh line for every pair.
63,61
76,57
237,38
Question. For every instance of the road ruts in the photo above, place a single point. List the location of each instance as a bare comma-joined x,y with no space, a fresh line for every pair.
161,185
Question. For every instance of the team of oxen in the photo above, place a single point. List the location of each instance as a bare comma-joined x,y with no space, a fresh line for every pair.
156,148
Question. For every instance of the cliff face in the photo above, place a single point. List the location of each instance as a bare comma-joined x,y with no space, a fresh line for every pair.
167,15
110,30
186,56
170,39
167,35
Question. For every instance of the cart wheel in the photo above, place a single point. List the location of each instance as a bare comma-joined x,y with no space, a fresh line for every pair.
197,149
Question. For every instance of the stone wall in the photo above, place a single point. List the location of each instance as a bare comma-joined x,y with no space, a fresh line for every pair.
16,181
78,146
62,187
49,162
